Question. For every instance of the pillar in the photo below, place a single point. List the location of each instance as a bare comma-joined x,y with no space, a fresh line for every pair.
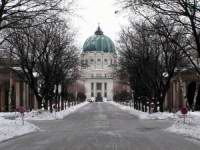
17,94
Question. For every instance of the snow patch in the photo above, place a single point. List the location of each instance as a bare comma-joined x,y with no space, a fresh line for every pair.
7,114
145,115
189,128
46,115
13,128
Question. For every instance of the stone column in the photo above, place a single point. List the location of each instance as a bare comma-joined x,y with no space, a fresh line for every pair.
0,98
24,94
3,98
95,60
102,59
17,94
103,89
35,103
27,96
95,89
174,94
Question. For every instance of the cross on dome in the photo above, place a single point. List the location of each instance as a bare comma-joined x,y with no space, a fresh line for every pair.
99,31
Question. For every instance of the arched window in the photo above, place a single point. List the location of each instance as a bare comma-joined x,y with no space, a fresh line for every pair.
86,61
92,61
106,61
98,61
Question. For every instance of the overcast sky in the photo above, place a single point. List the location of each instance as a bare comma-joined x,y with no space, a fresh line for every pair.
91,13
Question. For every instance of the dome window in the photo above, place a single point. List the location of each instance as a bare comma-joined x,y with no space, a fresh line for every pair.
106,61
92,60
98,61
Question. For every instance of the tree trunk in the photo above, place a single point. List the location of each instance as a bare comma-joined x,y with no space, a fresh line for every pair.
161,102
62,103
58,102
46,104
50,106
39,101
68,102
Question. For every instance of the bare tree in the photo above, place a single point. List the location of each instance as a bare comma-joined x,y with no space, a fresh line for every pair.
146,54
19,13
47,50
185,13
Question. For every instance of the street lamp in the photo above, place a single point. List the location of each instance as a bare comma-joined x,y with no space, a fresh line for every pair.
57,91
38,86
132,92
59,94
166,75
35,74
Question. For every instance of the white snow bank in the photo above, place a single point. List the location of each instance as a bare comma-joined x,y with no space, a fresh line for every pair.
145,115
189,128
7,114
12,128
46,115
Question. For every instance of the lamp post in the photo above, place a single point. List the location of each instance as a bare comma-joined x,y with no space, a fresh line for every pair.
59,96
132,92
165,76
55,104
76,94
38,86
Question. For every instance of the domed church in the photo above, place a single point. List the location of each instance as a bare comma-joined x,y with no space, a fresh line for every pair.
98,59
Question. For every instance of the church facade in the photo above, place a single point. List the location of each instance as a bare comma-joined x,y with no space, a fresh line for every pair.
98,60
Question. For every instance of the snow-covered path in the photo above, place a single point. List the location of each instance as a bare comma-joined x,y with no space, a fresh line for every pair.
101,126
15,127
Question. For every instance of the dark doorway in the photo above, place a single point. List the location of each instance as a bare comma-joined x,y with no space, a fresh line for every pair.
191,94
98,94
99,97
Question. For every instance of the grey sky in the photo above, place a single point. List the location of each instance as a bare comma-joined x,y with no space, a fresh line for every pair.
91,13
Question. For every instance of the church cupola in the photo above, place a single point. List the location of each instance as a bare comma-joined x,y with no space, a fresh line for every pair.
99,43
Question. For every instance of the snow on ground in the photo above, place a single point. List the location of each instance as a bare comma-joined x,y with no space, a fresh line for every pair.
189,128
46,115
7,114
145,115
12,128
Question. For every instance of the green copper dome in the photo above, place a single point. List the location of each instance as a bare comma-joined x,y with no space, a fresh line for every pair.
99,42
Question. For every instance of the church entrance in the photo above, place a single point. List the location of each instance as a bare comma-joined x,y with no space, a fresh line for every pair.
99,92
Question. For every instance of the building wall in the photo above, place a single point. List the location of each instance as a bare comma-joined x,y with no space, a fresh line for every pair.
21,94
176,97
97,67
108,90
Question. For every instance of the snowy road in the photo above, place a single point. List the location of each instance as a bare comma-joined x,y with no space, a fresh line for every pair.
100,126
